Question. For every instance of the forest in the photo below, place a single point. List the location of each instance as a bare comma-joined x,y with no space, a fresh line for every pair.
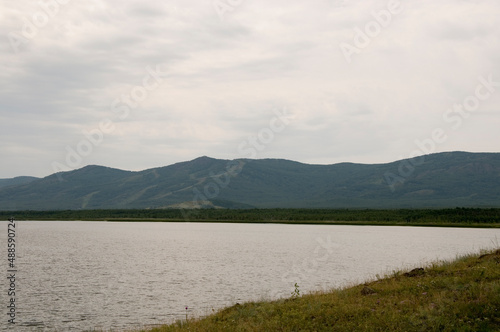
455,216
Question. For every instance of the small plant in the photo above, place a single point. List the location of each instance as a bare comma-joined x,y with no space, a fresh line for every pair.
187,314
296,291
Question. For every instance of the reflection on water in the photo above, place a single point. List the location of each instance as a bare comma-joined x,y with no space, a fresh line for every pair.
76,276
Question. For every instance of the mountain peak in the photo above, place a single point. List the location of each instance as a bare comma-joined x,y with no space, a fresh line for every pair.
203,158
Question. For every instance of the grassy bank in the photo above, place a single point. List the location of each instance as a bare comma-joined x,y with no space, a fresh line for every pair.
462,295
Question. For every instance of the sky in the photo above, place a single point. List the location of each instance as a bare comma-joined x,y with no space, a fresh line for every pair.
141,84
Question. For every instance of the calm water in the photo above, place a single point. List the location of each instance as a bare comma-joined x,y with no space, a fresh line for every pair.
75,276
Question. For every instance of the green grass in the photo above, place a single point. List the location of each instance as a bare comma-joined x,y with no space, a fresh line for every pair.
462,295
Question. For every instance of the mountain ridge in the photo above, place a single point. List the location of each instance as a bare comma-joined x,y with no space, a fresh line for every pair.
446,179
16,181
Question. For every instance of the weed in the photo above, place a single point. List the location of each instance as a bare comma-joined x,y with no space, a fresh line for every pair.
296,291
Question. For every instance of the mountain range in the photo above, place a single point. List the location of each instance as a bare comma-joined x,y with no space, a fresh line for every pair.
447,179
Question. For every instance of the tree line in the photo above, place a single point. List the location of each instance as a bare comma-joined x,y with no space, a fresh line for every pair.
455,215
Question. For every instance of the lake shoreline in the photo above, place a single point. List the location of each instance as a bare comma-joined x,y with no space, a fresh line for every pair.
288,222
461,294
339,223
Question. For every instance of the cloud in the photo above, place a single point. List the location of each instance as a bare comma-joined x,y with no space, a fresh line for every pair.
223,78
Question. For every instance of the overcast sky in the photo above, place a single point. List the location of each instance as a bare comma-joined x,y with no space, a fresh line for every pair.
158,82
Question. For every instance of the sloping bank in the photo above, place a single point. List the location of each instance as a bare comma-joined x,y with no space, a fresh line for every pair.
462,295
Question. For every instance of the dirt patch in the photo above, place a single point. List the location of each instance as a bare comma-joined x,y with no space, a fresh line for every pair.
415,272
368,291
488,256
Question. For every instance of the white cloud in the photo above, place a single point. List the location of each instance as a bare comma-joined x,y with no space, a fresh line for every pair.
224,77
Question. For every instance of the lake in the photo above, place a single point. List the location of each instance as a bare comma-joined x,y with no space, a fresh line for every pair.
76,275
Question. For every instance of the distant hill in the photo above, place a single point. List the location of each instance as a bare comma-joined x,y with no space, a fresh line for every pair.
439,180
16,181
